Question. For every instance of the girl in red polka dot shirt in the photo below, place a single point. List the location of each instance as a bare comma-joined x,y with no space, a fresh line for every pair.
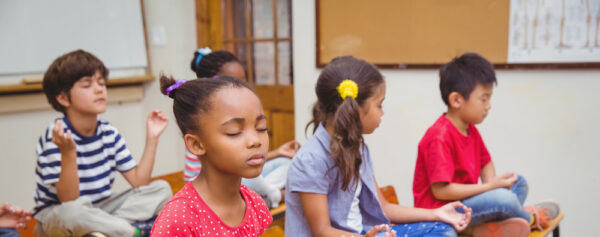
223,123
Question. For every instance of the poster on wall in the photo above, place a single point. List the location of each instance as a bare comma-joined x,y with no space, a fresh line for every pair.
554,31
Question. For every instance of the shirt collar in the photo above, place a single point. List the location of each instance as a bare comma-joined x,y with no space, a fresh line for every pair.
323,136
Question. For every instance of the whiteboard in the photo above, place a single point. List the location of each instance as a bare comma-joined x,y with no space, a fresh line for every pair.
33,33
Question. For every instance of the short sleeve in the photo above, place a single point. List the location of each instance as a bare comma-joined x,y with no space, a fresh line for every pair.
438,161
308,174
122,155
172,222
49,158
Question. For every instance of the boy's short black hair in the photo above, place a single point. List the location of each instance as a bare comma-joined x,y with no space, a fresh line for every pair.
463,73
68,69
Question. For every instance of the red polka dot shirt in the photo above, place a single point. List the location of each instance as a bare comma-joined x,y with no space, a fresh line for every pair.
186,214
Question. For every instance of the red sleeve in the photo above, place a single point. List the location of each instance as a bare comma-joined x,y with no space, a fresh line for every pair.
170,222
439,162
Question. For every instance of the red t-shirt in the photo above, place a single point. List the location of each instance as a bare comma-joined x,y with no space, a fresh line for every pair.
186,214
445,155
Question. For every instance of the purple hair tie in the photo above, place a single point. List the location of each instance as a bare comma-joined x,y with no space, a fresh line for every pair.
175,86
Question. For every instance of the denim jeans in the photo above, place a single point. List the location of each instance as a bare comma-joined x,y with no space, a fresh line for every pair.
499,204
9,232
422,229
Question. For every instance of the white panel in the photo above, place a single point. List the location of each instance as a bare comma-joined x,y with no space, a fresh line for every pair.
34,33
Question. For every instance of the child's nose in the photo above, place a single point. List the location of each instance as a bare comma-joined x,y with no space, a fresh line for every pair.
98,87
254,140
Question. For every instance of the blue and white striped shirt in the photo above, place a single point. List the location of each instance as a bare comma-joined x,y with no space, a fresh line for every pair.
98,156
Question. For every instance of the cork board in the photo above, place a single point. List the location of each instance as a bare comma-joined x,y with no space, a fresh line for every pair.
417,33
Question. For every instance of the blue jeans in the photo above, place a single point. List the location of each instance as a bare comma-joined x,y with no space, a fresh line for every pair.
424,229
499,204
9,232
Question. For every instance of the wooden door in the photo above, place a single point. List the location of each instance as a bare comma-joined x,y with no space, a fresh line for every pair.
258,32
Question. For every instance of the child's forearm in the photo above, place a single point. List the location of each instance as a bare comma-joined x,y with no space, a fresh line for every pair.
488,172
67,187
402,214
456,191
144,169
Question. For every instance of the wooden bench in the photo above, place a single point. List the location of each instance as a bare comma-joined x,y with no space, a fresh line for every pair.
553,227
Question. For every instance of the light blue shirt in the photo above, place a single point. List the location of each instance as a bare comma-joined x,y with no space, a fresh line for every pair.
311,172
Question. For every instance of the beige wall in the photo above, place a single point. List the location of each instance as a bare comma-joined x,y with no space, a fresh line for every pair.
19,132
543,125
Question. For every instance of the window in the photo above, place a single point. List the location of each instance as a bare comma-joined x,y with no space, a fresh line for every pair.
259,33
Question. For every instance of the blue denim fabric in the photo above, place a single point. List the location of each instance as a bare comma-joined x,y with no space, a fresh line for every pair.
9,232
422,229
499,204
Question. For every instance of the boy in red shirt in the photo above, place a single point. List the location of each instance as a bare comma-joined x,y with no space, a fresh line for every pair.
452,157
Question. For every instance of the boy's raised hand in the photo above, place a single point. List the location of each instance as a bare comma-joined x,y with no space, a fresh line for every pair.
63,140
157,122
378,228
449,215
505,180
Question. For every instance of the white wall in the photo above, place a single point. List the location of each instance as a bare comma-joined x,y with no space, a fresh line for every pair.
543,125
19,132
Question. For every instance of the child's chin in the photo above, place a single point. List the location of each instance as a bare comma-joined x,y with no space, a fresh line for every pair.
251,175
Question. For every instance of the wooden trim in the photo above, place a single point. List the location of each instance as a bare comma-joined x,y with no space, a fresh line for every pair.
37,87
275,43
529,66
249,45
202,23
256,40
146,45
317,38
20,103
209,24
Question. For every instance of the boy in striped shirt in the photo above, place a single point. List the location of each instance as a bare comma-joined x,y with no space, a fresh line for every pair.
79,154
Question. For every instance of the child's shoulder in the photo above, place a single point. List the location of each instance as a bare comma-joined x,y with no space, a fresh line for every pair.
439,130
254,199
312,154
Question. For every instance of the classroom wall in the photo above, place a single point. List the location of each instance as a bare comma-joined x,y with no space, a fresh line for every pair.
19,132
543,124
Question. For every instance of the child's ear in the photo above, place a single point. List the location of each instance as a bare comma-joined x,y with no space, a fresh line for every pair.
194,144
455,100
63,99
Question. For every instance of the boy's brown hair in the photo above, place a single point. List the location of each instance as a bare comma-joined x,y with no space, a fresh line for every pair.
68,69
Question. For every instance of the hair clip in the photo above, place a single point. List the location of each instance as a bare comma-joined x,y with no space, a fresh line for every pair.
348,88
175,86
201,53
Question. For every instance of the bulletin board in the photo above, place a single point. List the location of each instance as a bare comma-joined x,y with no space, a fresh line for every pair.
423,33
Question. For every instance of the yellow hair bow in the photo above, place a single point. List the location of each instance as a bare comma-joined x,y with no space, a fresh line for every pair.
348,88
